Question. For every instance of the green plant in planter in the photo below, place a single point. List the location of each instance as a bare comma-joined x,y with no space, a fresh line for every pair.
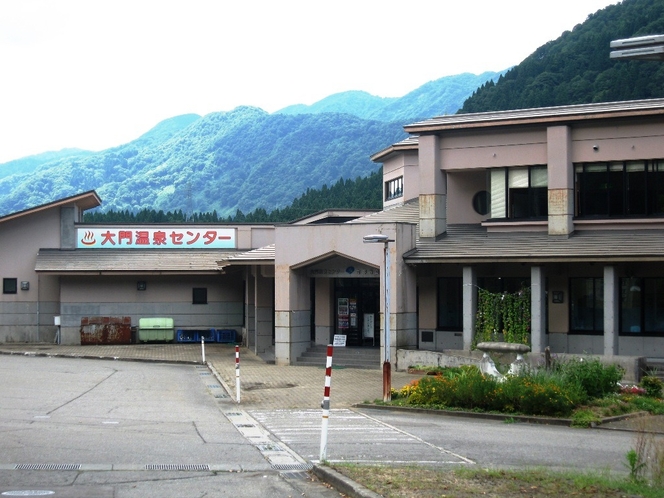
503,313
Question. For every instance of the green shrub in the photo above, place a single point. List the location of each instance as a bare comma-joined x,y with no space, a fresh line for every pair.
592,376
652,385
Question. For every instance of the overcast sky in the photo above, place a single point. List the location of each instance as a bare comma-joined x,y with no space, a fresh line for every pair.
94,74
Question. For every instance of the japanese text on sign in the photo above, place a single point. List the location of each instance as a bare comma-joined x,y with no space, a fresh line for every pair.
156,238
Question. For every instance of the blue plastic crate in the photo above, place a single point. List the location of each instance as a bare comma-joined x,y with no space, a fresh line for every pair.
209,335
187,336
226,335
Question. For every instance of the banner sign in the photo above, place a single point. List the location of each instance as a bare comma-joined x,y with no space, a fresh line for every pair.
167,237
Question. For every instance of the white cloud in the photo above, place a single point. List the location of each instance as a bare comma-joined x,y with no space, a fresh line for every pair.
94,74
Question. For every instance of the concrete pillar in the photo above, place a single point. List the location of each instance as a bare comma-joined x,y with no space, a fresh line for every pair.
560,172
537,310
264,298
611,312
433,188
291,316
249,309
469,305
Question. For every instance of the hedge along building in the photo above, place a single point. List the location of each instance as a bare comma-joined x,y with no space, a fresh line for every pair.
568,201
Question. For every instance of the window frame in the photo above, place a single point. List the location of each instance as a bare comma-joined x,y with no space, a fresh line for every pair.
199,295
518,189
10,285
619,189
393,188
440,305
597,310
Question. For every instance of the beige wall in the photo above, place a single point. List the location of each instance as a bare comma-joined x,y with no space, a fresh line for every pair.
461,188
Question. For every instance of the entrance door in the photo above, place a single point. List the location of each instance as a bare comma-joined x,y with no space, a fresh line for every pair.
356,310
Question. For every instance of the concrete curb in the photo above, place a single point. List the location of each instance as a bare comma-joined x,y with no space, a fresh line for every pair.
565,422
342,483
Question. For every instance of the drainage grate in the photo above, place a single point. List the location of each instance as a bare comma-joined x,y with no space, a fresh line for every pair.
220,395
269,447
233,414
48,466
214,386
295,475
204,373
292,466
245,425
177,467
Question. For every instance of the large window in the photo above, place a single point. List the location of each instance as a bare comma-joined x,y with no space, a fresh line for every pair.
519,193
586,305
625,188
450,303
642,305
394,189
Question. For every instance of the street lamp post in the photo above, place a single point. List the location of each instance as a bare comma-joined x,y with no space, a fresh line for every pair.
387,367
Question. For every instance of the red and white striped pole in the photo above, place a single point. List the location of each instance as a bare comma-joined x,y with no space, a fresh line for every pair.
326,405
237,373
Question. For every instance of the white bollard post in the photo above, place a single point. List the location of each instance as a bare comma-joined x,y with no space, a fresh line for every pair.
237,373
326,405
203,349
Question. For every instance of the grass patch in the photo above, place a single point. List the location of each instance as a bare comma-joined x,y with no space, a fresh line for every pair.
425,482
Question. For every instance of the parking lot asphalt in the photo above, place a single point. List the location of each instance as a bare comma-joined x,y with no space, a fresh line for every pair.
264,385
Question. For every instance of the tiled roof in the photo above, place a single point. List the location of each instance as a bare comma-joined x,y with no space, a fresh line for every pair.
408,212
263,255
568,113
128,260
472,243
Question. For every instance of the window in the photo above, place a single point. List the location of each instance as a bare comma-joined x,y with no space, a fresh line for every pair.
450,303
586,305
394,189
200,295
9,285
630,188
519,193
642,305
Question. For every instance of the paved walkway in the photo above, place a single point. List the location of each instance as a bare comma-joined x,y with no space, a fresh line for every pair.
263,385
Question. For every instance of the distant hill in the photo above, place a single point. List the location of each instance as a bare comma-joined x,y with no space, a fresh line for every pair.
241,160
576,68
435,98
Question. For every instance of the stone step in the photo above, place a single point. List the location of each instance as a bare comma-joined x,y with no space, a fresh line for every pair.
342,357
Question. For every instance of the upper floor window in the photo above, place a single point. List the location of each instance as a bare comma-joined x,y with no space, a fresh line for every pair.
519,193
394,188
629,188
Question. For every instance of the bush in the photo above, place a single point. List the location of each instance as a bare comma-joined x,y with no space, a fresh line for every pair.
592,376
467,388
652,386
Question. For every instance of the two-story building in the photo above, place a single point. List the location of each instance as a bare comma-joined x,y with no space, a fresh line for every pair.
568,201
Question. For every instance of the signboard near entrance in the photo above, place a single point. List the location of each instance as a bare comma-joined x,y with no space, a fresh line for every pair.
339,341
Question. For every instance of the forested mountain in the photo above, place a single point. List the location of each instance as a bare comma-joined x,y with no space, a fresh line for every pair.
436,98
243,160
248,161
576,68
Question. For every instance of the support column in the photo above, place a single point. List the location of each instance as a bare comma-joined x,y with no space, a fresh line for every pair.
560,179
249,309
469,305
611,311
264,291
433,188
537,310
291,316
